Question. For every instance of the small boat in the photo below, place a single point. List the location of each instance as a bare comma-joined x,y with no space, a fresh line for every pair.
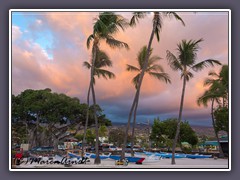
198,156
93,156
137,160
164,154
169,155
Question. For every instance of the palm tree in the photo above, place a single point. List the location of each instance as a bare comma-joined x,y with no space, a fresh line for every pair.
106,25
218,89
153,69
157,26
185,62
102,60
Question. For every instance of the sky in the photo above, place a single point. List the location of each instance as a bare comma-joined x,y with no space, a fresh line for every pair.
49,48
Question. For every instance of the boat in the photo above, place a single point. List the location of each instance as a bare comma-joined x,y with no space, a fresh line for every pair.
169,155
164,154
137,160
198,156
93,156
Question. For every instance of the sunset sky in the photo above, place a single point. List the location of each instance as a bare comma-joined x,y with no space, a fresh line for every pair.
49,48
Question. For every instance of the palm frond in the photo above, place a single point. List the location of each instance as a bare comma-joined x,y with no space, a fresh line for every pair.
160,76
187,74
135,18
206,63
175,15
153,59
89,39
104,73
204,99
87,64
122,22
156,68
173,62
113,43
135,80
213,73
102,59
188,51
141,56
132,68
157,20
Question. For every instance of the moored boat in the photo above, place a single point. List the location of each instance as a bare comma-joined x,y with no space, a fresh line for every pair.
198,156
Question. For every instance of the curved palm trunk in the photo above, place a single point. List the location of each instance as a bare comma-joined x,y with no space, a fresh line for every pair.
138,90
179,121
215,131
94,51
86,123
134,124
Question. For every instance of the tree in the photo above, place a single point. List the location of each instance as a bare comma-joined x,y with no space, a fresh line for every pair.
153,69
102,60
163,131
218,89
185,62
116,136
103,131
221,116
41,117
157,26
106,25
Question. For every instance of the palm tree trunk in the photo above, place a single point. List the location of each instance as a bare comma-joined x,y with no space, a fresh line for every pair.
138,89
86,123
215,131
179,121
127,128
133,128
97,159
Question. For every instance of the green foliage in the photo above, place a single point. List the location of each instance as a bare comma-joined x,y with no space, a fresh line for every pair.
153,68
90,136
41,111
103,131
79,137
221,119
164,131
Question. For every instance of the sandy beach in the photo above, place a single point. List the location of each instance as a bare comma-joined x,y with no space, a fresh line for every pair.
183,163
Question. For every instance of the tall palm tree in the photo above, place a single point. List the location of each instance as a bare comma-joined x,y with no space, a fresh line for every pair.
185,62
106,25
218,89
157,26
153,69
102,60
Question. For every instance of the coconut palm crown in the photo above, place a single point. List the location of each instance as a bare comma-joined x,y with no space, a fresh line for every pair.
102,60
153,69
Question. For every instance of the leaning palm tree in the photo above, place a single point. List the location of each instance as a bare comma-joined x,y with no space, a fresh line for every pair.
153,69
157,26
185,62
106,25
218,89
102,60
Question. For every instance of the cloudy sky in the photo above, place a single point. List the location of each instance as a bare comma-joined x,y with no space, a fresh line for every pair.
49,48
